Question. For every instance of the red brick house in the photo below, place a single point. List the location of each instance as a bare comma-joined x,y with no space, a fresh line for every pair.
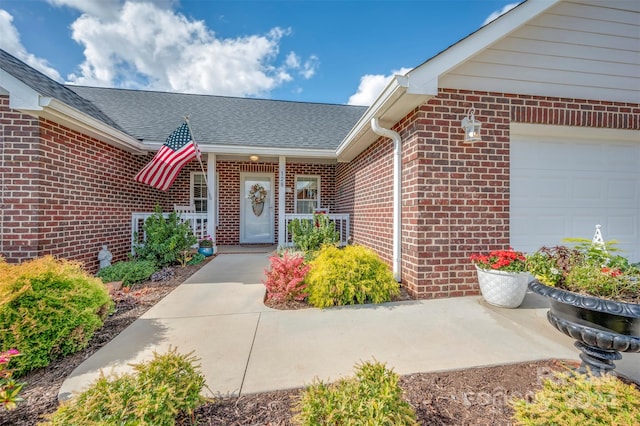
555,85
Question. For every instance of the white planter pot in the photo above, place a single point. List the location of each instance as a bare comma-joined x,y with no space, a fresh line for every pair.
503,289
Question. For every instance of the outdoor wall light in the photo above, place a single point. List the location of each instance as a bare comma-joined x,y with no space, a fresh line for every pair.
254,158
471,127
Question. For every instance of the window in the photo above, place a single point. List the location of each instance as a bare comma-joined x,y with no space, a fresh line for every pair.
199,192
307,196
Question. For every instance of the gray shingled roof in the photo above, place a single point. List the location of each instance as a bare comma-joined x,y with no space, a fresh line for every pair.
220,120
48,87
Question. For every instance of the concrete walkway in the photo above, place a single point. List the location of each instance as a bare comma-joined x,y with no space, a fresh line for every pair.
246,347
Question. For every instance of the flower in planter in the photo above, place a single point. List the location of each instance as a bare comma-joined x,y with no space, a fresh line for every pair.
589,269
257,194
501,260
206,242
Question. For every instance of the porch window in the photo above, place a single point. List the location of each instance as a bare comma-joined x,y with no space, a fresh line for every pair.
307,196
199,192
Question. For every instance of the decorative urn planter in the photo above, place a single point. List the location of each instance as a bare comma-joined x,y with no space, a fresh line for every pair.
206,251
501,288
602,328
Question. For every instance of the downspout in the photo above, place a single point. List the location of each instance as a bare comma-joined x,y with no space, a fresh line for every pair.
397,194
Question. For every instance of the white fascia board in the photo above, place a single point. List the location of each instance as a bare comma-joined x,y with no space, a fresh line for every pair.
475,43
63,113
394,90
254,150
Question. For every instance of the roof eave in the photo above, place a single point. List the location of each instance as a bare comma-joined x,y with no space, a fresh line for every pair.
69,116
400,95
255,150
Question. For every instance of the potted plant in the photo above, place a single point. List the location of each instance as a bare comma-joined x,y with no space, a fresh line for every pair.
503,277
205,246
594,298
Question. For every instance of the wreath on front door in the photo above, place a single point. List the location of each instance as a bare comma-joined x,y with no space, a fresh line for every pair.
257,194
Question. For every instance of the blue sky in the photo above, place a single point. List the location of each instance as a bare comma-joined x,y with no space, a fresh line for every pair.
316,51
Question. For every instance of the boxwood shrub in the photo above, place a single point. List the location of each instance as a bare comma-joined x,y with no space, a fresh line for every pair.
349,275
48,309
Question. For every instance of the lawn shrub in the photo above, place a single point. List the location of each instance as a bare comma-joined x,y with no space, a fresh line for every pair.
347,276
309,235
129,273
167,240
154,395
577,399
9,387
48,309
372,397
285,279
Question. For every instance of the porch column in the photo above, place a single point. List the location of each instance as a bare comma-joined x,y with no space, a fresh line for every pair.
212,202
282,189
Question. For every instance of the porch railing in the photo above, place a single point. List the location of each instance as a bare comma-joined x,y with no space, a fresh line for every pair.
341,221
197,221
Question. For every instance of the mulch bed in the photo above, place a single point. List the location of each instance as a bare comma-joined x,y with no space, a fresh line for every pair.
476,396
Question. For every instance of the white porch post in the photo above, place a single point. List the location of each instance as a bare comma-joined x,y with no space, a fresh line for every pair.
212,202
282,188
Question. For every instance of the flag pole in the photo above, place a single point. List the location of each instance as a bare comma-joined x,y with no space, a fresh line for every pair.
199,156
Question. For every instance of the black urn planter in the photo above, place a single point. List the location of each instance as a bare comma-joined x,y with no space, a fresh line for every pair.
602,328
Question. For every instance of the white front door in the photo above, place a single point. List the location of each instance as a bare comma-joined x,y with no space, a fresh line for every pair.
256,218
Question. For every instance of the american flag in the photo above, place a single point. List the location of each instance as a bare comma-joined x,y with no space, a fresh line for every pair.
177,151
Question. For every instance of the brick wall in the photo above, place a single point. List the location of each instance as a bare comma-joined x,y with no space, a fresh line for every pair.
66,194
455,196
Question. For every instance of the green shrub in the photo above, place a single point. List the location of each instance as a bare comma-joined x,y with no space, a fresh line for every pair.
372,397
167,240
577,399
48,309
196,259
153,395
128,272
347,276
309,235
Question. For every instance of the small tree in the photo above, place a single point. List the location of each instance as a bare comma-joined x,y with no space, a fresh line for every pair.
166,239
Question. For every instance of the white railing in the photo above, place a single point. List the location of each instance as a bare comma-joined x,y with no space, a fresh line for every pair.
341,221
198,222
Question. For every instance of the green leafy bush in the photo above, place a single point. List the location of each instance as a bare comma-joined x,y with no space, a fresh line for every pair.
128,272
154,395
167,240
372,397
309,235
196,259
285,279
48,309
347,276
577,399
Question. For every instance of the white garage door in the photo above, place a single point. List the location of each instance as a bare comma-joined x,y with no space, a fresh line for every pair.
565,181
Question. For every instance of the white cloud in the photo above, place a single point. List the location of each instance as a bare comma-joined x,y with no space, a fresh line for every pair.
310,67
10,42
371,85
138,44
499,13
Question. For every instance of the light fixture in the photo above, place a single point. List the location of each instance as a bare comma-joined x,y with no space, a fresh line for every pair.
254,158
471,127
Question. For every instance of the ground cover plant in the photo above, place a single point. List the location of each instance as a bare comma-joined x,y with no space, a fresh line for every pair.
48,309
129,272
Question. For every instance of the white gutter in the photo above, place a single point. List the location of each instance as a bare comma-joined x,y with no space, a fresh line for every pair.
397,194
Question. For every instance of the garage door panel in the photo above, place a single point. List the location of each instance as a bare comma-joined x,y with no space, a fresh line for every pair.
563,187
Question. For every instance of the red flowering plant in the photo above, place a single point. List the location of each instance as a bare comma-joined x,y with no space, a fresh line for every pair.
501,260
